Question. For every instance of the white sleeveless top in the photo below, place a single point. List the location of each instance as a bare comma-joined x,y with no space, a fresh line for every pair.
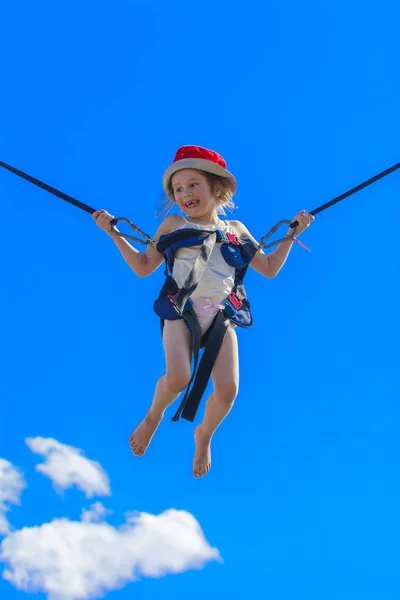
218,277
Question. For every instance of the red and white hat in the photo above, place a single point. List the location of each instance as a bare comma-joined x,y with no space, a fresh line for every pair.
196,157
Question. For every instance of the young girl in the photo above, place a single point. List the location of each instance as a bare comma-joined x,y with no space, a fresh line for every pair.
199,184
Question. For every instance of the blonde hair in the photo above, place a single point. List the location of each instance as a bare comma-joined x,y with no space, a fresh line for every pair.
224,202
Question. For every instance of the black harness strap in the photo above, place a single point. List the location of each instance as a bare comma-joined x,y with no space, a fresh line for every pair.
189,407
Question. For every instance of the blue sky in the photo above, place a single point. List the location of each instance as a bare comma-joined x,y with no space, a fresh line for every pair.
302,502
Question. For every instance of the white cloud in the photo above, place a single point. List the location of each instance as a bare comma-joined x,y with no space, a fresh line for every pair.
75,560
66,466
95,514
78,560
11,485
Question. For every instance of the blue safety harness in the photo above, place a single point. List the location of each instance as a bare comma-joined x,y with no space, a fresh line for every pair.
175,303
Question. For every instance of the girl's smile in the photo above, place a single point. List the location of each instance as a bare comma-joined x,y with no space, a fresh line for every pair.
192,203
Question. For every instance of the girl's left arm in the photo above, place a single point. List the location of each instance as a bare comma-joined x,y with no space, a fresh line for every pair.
270,265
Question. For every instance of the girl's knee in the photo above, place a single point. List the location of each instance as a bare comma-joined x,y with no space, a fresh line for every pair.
227,391
177,381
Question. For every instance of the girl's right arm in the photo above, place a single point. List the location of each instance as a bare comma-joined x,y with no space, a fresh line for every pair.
142,264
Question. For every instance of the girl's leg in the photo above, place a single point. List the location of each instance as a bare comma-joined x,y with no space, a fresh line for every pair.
177,349
225,378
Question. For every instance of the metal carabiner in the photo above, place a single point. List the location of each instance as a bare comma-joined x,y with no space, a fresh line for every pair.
272,231
145,242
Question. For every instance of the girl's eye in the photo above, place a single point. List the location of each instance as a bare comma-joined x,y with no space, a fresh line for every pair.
180,189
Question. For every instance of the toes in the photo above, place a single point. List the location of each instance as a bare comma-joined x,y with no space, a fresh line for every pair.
138,450
201,470
135,446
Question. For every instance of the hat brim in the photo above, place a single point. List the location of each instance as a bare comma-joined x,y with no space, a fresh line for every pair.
200,164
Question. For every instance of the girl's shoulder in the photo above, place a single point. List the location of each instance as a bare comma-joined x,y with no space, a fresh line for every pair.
239,228
243,233
172,223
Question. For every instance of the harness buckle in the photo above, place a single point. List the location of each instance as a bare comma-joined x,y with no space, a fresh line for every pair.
232,237
227,237
233,299
231,304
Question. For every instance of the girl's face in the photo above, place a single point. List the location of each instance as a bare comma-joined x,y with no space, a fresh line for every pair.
192,194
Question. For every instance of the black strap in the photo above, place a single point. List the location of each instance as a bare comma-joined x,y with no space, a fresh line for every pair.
188,409
82,206
353,190
48,188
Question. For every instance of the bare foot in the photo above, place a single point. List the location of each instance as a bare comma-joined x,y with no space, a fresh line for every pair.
142,436
202,455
